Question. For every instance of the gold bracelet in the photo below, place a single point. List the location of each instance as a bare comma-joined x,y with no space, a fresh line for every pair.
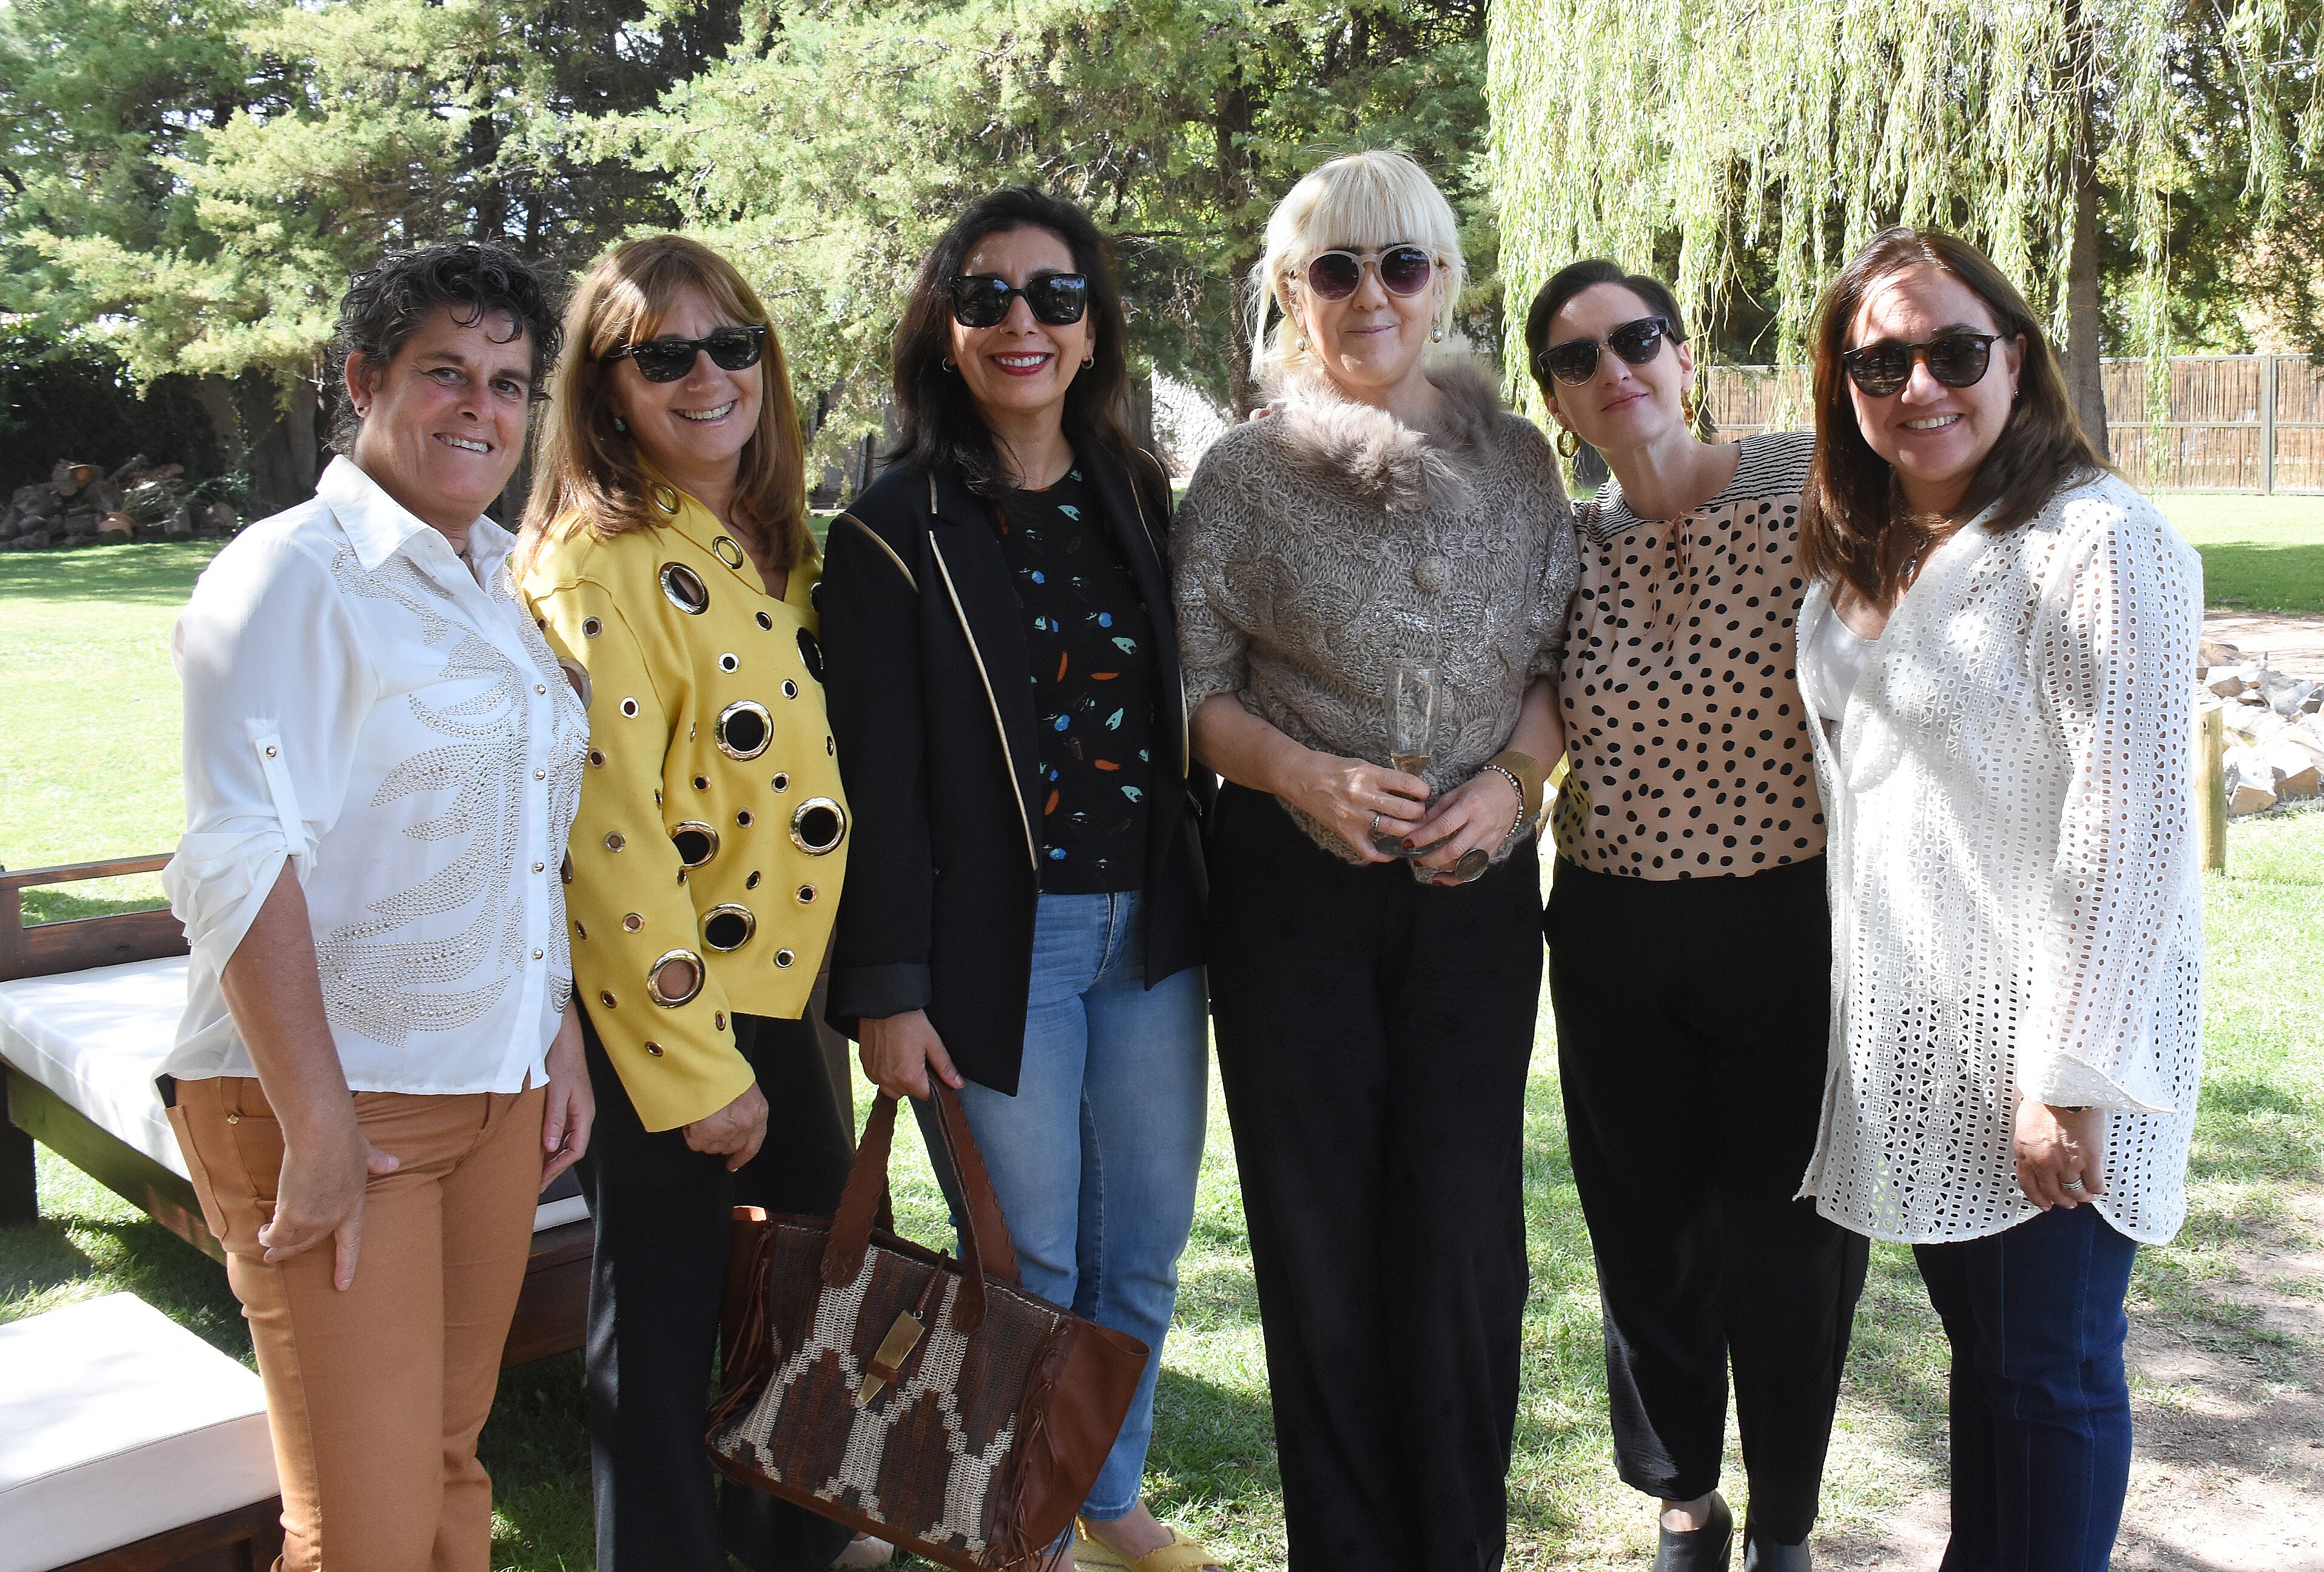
1528,775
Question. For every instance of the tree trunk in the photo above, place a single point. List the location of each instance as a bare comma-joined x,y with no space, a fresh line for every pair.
2085,386
279,425
216,396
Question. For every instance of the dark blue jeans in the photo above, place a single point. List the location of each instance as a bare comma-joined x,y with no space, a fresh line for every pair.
2041,1413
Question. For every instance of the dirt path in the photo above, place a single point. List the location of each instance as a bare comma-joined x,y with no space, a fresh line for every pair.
2293,645
2227,1474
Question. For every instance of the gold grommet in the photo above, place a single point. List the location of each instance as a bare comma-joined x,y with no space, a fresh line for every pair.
751,882
578,929
597,758
654,1049
665,498
633,922
683,588
727,928
696,843
702,783
728,551
782,781
718,1020
807,895
606,999
817,826
744,728
613,840
784,958
591,627
730,662
766,621
661,995
233,1118
743,817
630,707
790,688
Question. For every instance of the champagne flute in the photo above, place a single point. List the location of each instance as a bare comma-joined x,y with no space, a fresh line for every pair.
1412,700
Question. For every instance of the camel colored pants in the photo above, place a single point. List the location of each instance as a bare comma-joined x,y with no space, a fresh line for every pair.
375,1395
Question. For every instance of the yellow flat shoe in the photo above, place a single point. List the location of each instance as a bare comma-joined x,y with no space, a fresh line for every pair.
1180,1555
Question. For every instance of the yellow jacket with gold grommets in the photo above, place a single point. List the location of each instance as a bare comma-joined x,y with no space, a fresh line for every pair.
706,860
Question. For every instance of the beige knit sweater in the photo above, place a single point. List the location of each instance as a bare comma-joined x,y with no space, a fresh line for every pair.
1318,547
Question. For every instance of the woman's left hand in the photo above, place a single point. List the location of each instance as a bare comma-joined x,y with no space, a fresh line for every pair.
1476,814
572,1105
2060,1154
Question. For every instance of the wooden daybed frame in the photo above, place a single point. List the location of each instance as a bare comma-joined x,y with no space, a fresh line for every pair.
550,1313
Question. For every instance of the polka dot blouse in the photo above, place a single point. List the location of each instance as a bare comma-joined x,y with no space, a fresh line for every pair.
1687,741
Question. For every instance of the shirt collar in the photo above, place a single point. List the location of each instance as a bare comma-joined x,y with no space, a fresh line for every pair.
378,526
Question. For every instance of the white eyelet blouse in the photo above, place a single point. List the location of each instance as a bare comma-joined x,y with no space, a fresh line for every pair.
2014,903
357,703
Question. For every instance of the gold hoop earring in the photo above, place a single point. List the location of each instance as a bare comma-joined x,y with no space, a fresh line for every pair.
1569,444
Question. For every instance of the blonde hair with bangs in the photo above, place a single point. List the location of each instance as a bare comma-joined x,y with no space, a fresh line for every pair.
1358,201
591,480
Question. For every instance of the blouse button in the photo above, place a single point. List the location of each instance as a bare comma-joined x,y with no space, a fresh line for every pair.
540,868
269,751
539,688
536,955
541,774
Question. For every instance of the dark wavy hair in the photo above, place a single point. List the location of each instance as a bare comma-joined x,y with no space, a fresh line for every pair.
1569,281
384,306
1854,525
937,425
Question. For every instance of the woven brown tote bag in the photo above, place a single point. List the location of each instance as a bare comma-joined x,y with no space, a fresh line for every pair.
928,1401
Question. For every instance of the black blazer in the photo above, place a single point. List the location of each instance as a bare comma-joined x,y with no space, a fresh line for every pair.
930,694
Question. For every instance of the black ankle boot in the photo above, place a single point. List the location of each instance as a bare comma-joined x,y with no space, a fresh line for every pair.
1708,1548
1764,1556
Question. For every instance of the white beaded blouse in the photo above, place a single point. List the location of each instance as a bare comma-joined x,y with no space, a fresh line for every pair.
2014,903
357,703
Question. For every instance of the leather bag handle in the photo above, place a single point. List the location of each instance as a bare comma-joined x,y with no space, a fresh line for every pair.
985,1244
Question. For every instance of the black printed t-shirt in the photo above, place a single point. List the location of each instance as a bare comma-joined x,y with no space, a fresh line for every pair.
1091,646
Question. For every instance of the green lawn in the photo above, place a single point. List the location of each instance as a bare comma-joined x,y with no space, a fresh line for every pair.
87,763
2260,553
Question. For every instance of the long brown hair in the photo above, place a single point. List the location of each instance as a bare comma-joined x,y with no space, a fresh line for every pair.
938,424
1854,525
591,480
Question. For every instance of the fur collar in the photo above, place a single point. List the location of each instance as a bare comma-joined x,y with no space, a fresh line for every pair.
1370,453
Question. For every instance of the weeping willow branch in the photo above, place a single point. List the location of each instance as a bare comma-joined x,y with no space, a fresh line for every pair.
1794,130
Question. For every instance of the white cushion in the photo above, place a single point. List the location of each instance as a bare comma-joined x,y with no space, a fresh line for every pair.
117,1423
96,1039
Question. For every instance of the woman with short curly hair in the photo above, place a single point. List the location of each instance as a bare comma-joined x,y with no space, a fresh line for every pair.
380,1064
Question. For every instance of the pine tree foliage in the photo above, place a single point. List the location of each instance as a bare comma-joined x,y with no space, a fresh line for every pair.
1721,139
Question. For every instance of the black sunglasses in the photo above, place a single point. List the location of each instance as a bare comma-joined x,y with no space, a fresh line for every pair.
1575,361
1403,270
982,299
665,360
1958,360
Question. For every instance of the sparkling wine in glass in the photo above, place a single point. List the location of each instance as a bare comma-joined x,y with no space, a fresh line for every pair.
1412,698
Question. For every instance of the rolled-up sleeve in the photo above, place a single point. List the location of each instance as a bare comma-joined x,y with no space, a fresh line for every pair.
276,688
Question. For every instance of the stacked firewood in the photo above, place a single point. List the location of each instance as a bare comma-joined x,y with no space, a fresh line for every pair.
80,504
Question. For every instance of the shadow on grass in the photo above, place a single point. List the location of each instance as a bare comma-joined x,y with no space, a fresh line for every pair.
158,572
536,1446
2252,1128
63,1259
2253,576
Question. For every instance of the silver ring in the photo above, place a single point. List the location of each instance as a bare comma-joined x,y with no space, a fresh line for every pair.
1375,823
2071,1184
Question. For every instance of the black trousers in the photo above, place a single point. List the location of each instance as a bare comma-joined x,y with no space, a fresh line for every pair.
663,1214
1373,1036
1692,1024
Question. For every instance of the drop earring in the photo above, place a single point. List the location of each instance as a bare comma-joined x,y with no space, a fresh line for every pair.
1436,334
1300,346
620,423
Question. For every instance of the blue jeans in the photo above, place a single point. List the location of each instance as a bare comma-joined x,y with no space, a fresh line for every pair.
1094,1159
2041,1413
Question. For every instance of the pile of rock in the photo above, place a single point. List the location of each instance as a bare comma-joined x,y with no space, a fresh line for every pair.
81,505
2276,732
